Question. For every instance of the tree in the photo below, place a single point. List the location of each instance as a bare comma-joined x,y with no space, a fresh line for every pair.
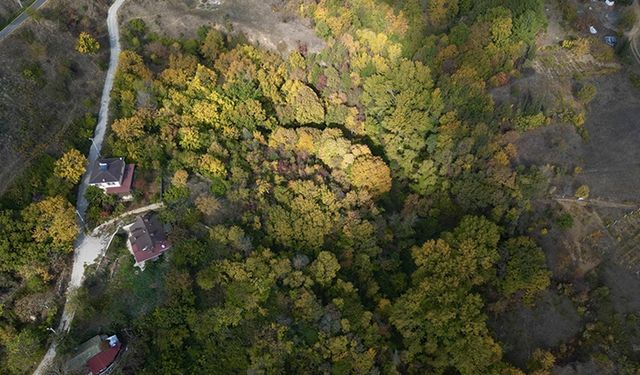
401,105
208,205
325,268
303,103
371,173
441,12
180,178
541,362
52,221
440,318
304,215
526,269
87,44
212,45
212,166
501,29
71,166
97,197
129,128
23,350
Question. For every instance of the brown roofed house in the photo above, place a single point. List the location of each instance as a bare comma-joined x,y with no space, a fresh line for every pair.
95,356
112,175
147,239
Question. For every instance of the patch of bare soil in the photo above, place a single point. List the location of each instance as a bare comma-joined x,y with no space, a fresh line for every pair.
607,224
605,237
574,252
624,287
554,33
610,159
580,368
45,85
553,321
264,22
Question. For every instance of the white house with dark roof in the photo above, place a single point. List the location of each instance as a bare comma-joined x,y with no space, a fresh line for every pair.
112,175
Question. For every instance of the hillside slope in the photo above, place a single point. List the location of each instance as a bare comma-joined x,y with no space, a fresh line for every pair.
45,85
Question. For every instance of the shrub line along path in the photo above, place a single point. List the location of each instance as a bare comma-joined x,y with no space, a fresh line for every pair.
632,35
88,248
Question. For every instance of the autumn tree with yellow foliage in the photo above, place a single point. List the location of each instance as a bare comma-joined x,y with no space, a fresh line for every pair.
87,44
71,166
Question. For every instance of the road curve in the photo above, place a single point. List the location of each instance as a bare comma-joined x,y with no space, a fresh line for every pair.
18,21
103,117
88,248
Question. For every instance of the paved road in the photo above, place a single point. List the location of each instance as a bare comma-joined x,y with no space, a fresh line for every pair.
88,248
16,23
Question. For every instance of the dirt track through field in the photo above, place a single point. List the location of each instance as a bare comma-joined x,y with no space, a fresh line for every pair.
598,202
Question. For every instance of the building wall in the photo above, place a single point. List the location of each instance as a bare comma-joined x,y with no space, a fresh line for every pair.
105,185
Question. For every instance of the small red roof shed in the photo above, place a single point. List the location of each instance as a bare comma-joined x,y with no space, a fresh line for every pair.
101,361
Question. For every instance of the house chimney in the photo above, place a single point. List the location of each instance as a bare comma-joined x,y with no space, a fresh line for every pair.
113,341
103,166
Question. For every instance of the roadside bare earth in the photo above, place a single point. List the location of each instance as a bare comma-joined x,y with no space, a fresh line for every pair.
262,21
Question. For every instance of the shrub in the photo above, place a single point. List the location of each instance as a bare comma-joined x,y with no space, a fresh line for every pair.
564,221
635,80
582,192
586,93
87,44
524,123
627,19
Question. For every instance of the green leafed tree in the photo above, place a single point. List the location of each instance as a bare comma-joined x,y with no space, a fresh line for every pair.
304,215
526,270
212,45
325,268
440,318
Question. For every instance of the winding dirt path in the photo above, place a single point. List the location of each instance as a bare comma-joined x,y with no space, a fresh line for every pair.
87,247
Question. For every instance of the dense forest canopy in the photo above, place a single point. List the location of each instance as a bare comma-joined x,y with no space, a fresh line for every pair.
346,179
361,206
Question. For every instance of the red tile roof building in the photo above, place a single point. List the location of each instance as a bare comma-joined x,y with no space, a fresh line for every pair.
127,179
147,239
96,355
100,362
